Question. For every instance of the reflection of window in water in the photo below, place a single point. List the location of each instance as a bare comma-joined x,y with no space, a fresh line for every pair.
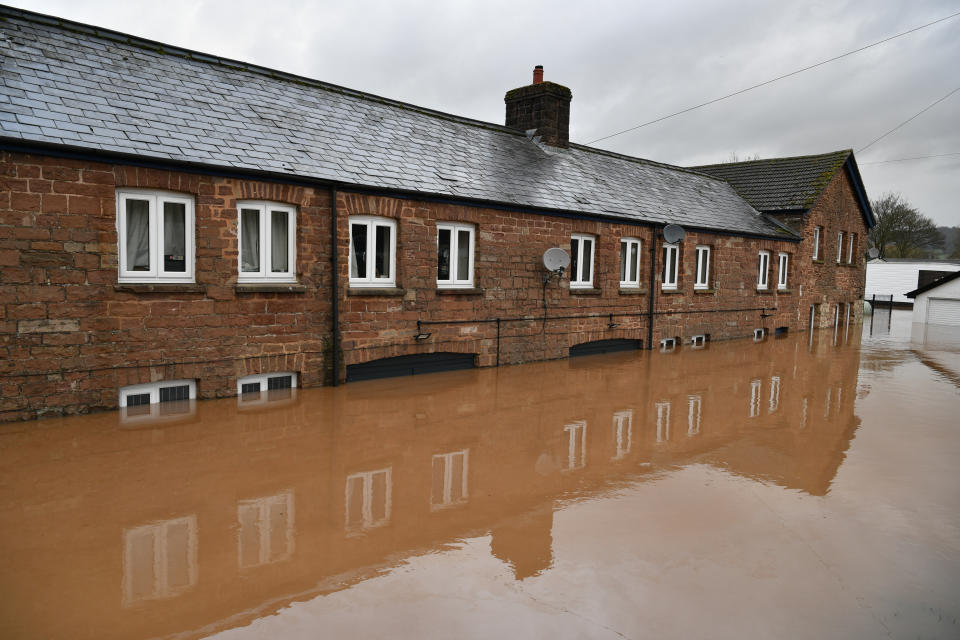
803,414
839,398
693,414
755,398
577,448
368,499
826,407
159,559
450,472
266,529
267,387
166,399
774,393
622,432
663,421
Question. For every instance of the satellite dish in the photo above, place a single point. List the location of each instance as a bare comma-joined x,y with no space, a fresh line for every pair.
673,233
556,258
873,252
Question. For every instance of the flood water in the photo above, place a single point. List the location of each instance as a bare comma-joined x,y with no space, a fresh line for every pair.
792,488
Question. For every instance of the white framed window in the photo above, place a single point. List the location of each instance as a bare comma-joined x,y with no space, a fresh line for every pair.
576,445
816,242
851,242
702,280
763,269
755,388
454,255
668,345
266,234
694,405
159,559
622,433
663,421
671,253
450,473
759,335
166,399
266,528
265,387
581,261
369,499
782,264
155,232
839,246
629,263
373,251
698,341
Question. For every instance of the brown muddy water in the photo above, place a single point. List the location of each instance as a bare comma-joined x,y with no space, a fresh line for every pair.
792,488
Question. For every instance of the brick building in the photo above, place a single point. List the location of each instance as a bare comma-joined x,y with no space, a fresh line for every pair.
175,225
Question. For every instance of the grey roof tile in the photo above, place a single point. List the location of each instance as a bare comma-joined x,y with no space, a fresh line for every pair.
193,107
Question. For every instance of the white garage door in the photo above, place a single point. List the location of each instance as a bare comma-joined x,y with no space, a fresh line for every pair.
943,311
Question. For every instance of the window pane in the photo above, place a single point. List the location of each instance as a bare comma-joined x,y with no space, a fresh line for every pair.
634,262
358,252
280,382
574,258
250,387
443,254
279,241
666,265
587,255
354,501
378,496
250,240
463,255
382,252
623,261
174,237
138,235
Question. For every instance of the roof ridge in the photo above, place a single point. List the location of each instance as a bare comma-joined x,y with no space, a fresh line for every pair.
779,159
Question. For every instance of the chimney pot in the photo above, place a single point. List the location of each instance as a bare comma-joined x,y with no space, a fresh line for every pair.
538,74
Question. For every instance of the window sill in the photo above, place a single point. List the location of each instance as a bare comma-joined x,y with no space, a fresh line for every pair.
585,291
670,292
466,291
270,287
704,292
159,287
626,291
765,292
374,291
817,261
785,291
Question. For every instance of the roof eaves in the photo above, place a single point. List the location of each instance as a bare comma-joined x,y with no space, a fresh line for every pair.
933,285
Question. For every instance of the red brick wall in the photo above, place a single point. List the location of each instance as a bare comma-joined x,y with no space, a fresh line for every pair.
70,336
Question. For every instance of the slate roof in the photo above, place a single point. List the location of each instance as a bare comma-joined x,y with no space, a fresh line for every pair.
70,84
780,184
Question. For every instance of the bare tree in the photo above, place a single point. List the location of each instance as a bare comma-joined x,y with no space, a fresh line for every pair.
901,230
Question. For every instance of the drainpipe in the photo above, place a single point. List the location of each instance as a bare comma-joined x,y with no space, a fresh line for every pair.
334,288
653,289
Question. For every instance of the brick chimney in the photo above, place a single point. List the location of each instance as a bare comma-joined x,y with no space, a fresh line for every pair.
544,106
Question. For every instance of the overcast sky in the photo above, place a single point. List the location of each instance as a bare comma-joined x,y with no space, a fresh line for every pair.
626,63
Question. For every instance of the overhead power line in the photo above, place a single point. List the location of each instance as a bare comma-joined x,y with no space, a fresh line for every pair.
772,80
922,111
939,155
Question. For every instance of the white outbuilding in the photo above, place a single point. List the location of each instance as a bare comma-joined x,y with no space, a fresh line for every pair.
897,276
938,303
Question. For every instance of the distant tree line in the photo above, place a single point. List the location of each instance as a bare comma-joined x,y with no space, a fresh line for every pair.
903,232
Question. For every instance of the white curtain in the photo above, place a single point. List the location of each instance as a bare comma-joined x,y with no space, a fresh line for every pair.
279,241
138,235
250,240
174,236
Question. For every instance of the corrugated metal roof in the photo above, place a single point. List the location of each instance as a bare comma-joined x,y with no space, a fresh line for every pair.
69,84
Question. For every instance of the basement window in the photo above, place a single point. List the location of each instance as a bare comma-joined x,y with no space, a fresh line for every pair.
267,387
763,269
667,345
629,263
454,255
759,335
155,230
373,251
671,254
581,261
171,398
698,341
267,240
702,280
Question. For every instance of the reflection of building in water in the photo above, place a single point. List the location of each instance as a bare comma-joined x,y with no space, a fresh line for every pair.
266,529
774,393
577,448
693,414
159,559
663,421
755,386
369,499
450,473
525,542
622,433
